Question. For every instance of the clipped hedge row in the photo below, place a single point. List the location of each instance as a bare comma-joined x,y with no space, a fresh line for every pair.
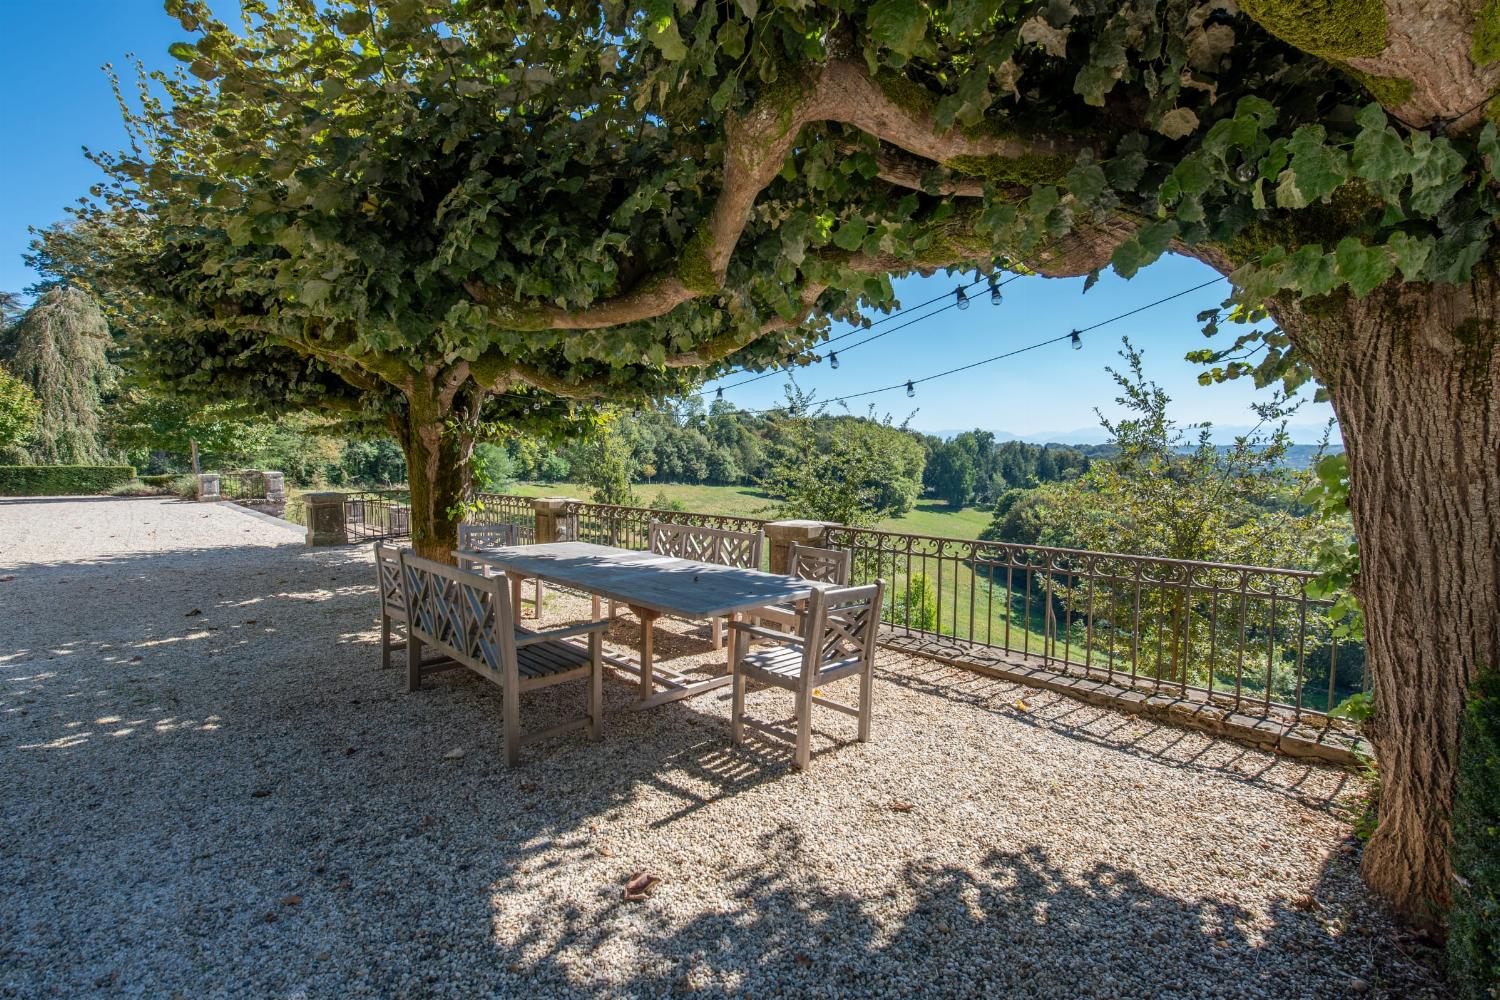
1474,920
162,480
61,480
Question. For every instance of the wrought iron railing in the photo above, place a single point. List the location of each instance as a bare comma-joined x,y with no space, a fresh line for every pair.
502,507
1246,636
377,515
246,484
630,527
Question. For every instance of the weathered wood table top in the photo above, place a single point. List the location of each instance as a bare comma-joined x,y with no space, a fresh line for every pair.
666,585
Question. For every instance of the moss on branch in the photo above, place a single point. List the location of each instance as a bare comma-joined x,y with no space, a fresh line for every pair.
1027,169
1333,29
694,267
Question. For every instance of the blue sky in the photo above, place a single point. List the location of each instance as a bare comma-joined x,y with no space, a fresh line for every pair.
54,100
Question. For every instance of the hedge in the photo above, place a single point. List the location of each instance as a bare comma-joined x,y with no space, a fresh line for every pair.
162,480
1474,920
61,480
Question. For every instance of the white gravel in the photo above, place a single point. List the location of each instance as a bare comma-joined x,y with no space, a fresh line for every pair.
211,789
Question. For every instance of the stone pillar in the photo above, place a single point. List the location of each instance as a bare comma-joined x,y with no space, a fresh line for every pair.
275,487
208,486
551,519
326,520
781,535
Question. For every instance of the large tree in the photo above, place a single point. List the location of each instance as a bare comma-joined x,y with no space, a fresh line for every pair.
60,348
432,214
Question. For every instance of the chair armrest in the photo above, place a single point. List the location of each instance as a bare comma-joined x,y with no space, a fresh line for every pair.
527,638
765,633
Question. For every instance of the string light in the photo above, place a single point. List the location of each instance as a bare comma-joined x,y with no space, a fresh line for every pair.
959,298
833,359
720,394
911,390
994,292
1077,340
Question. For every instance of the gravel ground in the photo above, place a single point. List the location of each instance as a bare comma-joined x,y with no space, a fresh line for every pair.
211,789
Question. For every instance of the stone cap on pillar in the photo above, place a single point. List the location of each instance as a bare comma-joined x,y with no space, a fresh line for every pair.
782,534
552,504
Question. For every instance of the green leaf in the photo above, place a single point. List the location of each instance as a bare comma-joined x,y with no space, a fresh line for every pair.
661,29
971,15
1086,182
1364,267
899,25
1316,169
1126,259
184,51
1380,155
1411,253
851,234
1177,123
1489,147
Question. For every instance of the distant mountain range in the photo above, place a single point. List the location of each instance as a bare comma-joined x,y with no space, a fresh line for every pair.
1303,434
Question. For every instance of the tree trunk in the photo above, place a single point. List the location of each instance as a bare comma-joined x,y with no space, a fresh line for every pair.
193,448
438,438
1414,375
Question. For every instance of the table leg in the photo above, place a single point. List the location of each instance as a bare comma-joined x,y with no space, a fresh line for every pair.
648,621
515,597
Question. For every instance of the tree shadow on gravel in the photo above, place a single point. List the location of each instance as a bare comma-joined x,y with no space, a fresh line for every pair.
1017,924
254,808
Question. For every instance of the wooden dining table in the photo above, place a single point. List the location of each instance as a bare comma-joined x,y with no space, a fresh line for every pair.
650,585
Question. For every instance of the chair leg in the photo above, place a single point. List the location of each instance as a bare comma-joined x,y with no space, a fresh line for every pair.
596,686
510,719
413,661
866,701
737,709
804,728
385,642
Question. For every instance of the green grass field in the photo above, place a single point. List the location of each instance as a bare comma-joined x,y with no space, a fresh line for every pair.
929,517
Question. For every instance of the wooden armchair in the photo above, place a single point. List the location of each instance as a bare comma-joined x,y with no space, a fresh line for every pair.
392,600
489,535
469,617
807,562
740,549
837,641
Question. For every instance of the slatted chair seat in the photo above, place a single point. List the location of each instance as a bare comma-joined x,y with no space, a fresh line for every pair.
470,618
837,641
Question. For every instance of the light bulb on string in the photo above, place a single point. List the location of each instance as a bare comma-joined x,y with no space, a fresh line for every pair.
911,390
833,359
1077,340
719,394
959,298
994,292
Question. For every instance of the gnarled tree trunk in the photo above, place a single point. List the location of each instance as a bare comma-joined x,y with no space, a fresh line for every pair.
1414,373
438,438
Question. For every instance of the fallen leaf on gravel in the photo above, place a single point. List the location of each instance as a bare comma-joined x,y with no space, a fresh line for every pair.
7,578
1305,903
251,621
605,851
1021,706
270,918
640,886
293,900
348,751
135,659
260,793
801,959
899,806
195,611
528,786
454,754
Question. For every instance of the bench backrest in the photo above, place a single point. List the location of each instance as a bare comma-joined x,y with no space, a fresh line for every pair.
722,546
388,581
463,614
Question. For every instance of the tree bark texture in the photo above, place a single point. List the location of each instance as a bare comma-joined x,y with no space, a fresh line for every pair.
1414,374
438,439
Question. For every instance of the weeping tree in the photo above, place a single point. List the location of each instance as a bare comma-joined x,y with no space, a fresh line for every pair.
59,349
444,217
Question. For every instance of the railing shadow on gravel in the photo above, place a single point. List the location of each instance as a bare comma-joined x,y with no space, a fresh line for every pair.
1130,734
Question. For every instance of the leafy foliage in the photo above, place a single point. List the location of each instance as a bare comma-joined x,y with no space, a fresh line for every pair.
18,411
61,480
59,349
951,473
1474,921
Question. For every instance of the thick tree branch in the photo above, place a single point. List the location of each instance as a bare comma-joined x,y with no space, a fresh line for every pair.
756,146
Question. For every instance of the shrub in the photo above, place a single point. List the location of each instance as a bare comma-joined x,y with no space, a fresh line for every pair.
61,480
1474,920
138,488
184,484
162,480
914,604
